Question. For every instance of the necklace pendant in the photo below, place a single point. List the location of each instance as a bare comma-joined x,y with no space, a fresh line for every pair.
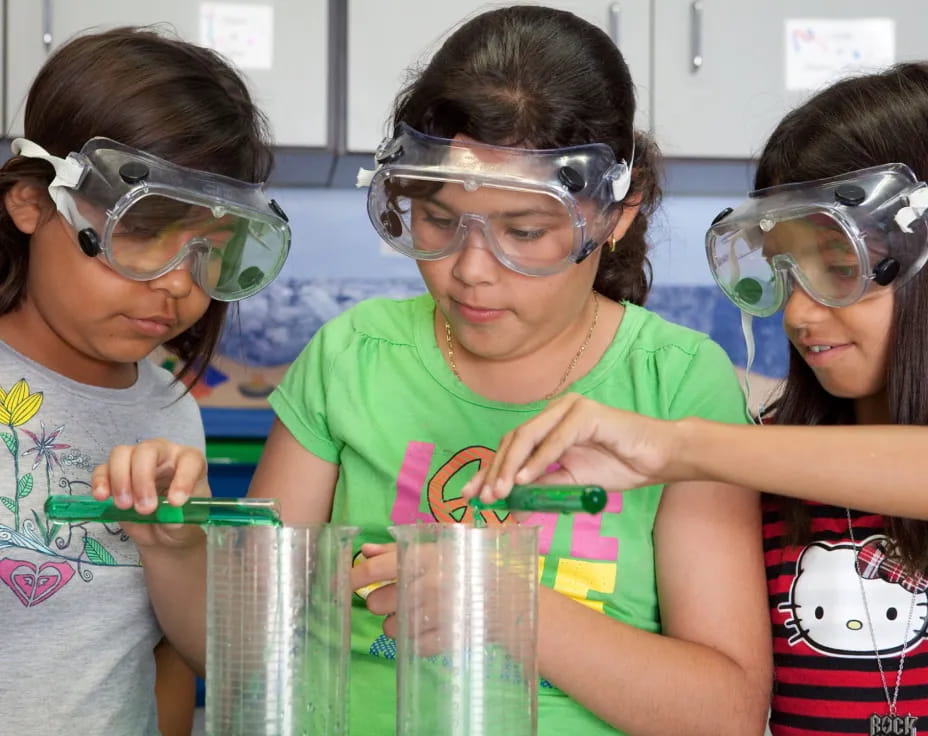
893,725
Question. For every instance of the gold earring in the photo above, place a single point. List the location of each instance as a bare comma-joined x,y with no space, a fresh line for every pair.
612,244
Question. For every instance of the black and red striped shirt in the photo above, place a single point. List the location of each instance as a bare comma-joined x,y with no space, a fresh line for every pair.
827,680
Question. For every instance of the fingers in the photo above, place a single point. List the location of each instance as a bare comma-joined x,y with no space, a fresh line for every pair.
115,478
425,633
189,475
139,467
377,568
382,602
541,455
391,626
475,484
374,578
100,487
501,461
530,452
372,549
524,452
134,474
423,616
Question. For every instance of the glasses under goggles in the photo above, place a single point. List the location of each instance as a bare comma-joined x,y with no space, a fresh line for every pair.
145,216
837,238
538,211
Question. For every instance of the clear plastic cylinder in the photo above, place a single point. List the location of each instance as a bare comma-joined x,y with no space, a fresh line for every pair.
278,630
467,619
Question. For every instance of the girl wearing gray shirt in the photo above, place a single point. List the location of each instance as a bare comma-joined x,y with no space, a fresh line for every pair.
130,215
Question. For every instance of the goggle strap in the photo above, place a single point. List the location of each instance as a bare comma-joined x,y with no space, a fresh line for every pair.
747,329
68,175
621,185
68,172
365,177
918,204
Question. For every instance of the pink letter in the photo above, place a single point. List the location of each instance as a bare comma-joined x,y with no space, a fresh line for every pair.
586,541
410,482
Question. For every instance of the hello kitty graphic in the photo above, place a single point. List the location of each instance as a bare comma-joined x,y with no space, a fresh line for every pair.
827,607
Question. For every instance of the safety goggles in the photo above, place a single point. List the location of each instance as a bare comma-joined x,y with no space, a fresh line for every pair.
837,238
538,211
145,217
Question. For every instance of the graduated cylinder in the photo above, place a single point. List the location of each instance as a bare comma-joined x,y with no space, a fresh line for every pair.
278,630
467,618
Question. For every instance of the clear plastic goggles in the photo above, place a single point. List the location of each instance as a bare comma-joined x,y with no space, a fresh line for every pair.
538,211
145,216
837,238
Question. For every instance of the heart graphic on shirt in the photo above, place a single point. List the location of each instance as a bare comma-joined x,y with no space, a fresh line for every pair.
34,584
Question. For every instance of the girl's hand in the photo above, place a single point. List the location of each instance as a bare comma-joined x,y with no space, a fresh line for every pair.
136,475
378,569
424,615
575,440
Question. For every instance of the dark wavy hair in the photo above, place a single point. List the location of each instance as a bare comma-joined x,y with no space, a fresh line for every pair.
860,122
542,78
153,92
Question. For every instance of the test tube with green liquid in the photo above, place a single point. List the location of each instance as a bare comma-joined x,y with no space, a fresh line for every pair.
224,511
556,499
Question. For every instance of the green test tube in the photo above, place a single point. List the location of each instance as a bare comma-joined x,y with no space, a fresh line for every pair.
225,511
556,499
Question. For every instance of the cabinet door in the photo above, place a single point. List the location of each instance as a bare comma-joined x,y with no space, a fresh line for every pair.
726,102
385,39
285,62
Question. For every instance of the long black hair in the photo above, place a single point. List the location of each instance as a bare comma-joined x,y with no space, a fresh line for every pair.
860,122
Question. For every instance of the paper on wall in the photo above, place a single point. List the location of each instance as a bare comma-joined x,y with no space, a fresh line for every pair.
244,34
820,51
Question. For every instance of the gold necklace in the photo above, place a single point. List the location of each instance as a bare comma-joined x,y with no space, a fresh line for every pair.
573,362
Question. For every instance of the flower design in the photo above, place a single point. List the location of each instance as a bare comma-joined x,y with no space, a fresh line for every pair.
45,446
75,458
18,405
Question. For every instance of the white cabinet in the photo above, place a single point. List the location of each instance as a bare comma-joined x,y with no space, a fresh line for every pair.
385,39
710,74
719,76
288,74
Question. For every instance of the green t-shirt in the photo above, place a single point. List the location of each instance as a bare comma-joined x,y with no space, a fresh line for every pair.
373,393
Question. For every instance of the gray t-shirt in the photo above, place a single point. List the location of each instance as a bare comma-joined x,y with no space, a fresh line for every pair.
76,625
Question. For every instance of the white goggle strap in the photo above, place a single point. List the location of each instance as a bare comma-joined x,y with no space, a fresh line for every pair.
747,330
68,175
623,183
365,177
918,204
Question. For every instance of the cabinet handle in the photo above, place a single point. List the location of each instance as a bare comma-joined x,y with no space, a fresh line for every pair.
615,16
696,33
47,25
